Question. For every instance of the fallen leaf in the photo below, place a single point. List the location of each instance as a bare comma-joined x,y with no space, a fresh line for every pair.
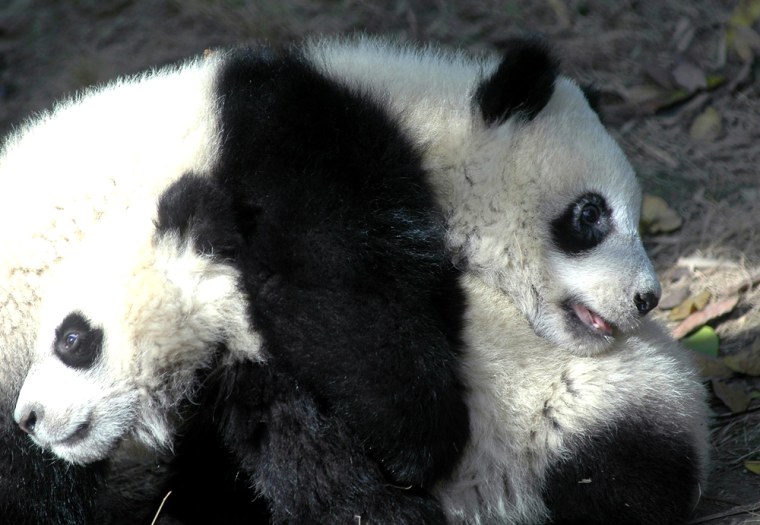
689,306
746,42
743,17
745,362
657,216
704,316
732,395
561,12
674,297
689,76
705,341
707,126
711,367
752,466
662,76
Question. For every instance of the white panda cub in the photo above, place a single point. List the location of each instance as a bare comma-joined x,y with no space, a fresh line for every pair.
620,437
61,172
167,308
581,410
511,147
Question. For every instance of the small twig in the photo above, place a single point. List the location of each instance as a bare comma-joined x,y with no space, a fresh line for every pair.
160,507
742,509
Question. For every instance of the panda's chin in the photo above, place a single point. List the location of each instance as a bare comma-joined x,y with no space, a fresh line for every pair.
84,445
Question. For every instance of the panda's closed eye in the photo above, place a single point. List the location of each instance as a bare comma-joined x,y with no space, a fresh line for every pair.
583,224
77,343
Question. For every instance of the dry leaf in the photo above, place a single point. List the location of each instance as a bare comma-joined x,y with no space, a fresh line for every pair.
707,126
657,216
752,466
732,395
742,18
711,367
561,12
744,362
674,297
703,316
689,76
689,306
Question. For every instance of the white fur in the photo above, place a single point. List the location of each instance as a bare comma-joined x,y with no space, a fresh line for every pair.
164,311
520,382
499,186
88,158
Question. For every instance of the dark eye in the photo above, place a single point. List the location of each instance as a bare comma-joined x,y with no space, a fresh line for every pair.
590,214
582,225
71,341
77,342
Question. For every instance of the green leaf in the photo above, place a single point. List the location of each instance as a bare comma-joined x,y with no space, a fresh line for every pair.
705,341
752,466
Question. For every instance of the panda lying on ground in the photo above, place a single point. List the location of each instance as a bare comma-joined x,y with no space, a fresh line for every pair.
581,411
315,228
60,174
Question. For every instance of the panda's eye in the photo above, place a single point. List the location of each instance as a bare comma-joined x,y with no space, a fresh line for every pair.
590,214
71,341
582,225
77,343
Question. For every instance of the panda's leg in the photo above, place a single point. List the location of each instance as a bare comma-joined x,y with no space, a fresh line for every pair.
304,461
634,471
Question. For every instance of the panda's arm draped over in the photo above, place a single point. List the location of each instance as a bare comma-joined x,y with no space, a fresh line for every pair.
305,464
344,259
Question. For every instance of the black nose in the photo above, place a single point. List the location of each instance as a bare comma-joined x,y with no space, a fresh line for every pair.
28,423
646,302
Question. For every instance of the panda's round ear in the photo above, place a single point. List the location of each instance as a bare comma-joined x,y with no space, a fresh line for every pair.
196,207
522,84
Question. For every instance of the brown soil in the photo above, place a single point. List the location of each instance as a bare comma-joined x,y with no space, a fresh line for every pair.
650,59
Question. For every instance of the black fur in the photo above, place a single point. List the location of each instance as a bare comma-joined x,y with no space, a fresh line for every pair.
305,461
628,472
77,343
38,489
522,84
344,260
584,224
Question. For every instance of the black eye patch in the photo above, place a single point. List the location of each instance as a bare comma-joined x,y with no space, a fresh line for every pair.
584,224
77,343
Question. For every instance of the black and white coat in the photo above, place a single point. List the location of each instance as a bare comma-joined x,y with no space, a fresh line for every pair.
541,212
581,411
296,282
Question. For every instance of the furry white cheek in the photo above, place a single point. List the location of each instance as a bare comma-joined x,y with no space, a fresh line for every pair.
72,414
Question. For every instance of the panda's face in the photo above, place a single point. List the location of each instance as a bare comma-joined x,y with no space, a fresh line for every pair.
123,333
557,224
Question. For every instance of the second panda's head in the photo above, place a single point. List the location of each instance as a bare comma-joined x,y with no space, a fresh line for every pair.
550,206
126,325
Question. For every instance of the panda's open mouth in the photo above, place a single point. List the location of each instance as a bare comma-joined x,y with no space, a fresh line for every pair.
592,320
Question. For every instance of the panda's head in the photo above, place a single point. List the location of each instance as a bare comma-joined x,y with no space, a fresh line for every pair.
549,207
127,323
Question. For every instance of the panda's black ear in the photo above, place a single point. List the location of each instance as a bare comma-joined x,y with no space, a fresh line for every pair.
198,208
593,95
522,84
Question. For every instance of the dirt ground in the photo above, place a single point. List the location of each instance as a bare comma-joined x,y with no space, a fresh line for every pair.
679,79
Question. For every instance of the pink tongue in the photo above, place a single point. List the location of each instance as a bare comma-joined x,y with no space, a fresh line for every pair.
592,320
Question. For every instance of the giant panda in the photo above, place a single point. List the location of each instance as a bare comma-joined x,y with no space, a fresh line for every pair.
541,210
339,253
582,411
61,172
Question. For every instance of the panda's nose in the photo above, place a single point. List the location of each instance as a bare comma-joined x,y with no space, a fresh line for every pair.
646,302
28,422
